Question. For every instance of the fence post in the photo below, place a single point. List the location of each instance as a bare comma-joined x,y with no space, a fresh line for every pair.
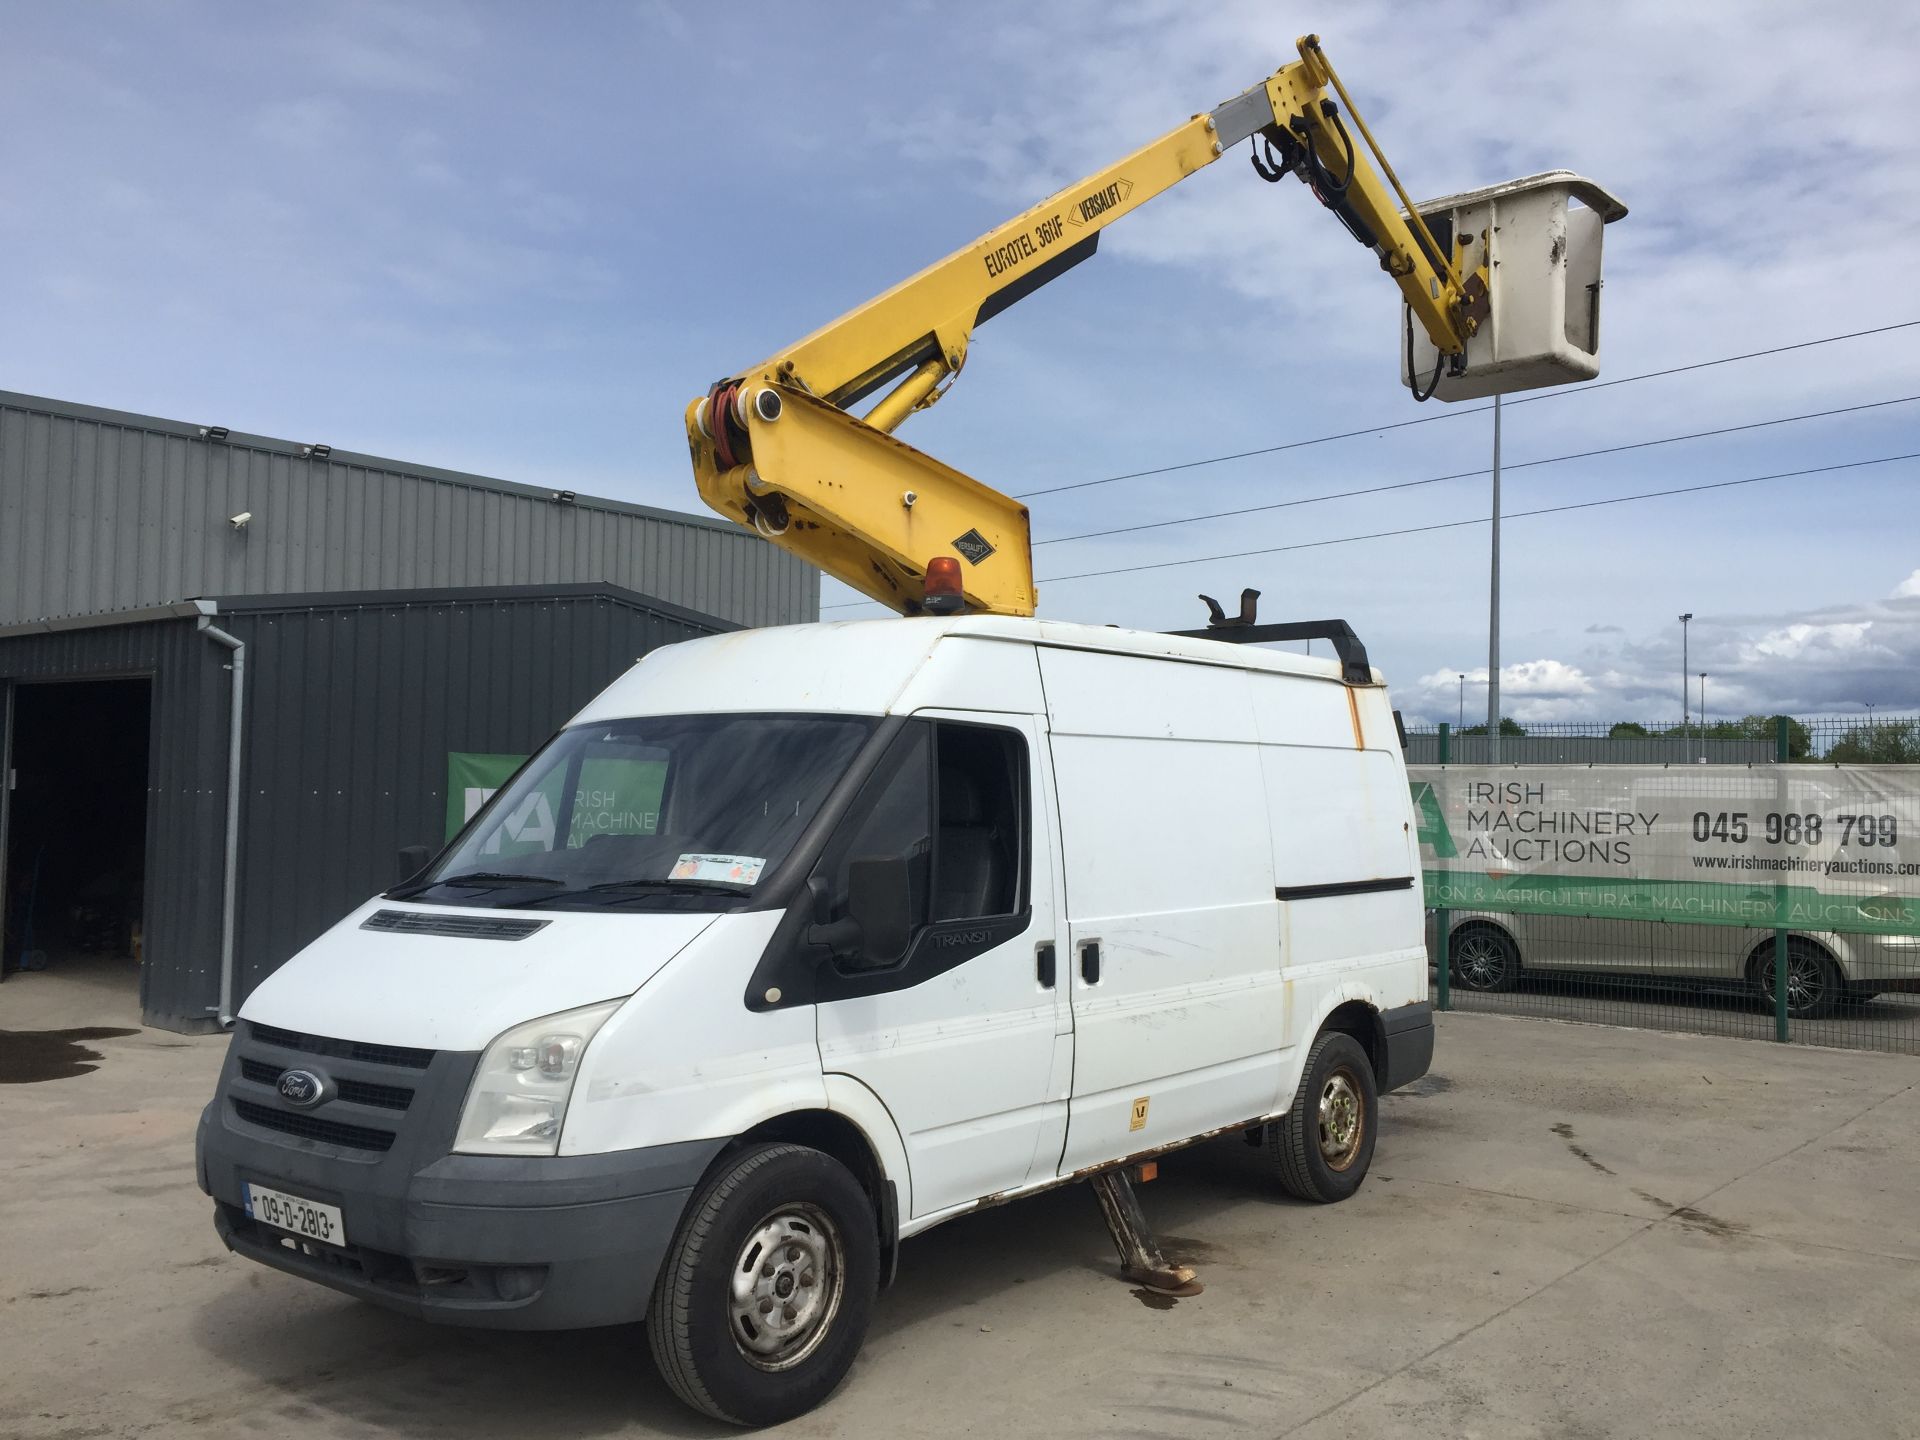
1779,933
1442,921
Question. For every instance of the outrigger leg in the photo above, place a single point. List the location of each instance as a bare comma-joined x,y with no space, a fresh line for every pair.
1140,1257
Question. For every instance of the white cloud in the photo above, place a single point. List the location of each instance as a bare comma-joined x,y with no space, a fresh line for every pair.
1797,641
1909,588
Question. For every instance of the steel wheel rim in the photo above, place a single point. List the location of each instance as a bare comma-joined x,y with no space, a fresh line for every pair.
786,1286
1480,961
1343,1120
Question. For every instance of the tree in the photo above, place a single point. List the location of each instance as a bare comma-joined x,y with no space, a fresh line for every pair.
1508,726
1894,742
1628,730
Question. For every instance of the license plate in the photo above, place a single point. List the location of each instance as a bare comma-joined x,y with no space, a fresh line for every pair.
307,1218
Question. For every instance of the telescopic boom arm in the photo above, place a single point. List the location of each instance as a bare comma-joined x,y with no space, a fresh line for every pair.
778,449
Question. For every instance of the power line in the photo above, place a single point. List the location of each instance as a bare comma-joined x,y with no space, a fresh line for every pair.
1474,410
1458,524
1468,474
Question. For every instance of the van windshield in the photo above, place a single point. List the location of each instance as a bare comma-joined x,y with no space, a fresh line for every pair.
656,812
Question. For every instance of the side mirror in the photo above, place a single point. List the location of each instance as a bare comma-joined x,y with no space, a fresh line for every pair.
878,924
413,859
880,902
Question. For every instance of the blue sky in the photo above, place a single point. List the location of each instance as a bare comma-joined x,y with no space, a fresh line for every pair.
516,239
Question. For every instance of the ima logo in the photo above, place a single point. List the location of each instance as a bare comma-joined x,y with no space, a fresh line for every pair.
531,824
1433,821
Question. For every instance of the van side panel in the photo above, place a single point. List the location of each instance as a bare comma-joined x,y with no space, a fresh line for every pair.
1169,871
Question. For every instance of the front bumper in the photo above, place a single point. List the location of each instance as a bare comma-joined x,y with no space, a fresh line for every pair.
499,1241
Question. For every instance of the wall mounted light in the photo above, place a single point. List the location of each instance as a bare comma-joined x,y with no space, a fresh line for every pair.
316,452
213,432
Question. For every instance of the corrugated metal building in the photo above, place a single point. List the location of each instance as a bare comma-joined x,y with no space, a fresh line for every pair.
351,707
102,510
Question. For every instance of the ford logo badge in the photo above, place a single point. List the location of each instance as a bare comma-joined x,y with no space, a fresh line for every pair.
302,1088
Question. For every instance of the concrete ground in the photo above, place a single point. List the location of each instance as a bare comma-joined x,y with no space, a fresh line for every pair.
1569,1231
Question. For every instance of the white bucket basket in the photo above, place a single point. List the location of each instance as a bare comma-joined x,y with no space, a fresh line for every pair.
1540,238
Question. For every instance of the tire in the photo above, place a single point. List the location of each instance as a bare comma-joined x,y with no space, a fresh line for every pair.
1814,986
1484,958
1324,1145
802,1221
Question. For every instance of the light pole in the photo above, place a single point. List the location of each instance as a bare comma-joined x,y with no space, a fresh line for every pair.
1684,619
1493,607
1703,715
1461,723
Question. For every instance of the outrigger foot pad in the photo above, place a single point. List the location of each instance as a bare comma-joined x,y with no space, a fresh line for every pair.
1141,1260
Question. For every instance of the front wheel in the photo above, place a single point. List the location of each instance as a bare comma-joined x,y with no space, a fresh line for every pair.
765,1295
1325,1144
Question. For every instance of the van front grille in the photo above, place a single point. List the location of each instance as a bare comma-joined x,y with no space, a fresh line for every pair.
399,1056
312,1127
356,1092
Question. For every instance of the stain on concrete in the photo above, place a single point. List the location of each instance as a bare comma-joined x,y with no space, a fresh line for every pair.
29,1056
1707,1224
1428,1084
1183,1250
1565,1132
1153,1299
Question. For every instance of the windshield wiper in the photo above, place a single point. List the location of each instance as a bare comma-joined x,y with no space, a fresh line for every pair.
613,888
496,877
725,887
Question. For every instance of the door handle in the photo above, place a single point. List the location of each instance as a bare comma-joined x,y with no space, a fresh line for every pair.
1090,962
1044,956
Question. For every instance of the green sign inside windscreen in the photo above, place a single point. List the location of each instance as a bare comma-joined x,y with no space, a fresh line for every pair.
614,795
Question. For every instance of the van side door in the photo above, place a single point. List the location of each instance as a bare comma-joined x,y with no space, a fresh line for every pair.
1179,1011
957,1034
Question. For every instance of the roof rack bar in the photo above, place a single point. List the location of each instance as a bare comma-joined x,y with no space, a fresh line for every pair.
1356,670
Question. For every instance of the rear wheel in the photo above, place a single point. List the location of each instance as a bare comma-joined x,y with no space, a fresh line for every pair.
1484,958
764,1299
1324,1146
1814,986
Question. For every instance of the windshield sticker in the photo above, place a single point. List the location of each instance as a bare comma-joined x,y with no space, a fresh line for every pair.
727,869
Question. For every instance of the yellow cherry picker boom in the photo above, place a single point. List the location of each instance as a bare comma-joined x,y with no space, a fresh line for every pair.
1502,284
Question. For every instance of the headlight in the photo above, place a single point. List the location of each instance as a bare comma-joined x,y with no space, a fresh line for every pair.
518,1099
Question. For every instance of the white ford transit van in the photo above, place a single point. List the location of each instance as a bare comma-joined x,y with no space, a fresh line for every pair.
797,942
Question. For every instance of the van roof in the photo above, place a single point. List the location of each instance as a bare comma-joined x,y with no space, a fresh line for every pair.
862,666
1119,641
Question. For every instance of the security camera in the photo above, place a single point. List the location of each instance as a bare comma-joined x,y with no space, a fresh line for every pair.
239,522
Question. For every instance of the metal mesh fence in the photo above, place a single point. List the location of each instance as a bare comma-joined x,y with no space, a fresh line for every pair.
1827,842
1700,979
1753,739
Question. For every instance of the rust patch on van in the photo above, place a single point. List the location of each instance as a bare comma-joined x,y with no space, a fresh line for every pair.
1353,709
1001,1197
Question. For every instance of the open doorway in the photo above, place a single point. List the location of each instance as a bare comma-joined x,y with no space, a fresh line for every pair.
77,829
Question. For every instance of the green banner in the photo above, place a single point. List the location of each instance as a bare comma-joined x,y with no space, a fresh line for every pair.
471,781
1690,902
614,793
1798,847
